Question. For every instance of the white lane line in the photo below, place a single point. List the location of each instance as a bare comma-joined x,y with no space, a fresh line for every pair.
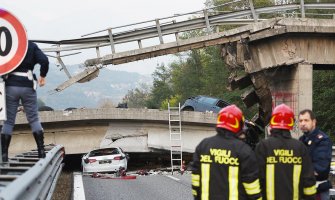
173,178
78,187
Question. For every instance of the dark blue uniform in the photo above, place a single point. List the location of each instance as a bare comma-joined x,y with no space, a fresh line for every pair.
320,150
33,56
21,86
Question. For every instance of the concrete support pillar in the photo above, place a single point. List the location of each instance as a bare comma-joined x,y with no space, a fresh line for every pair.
292,85
304,79
304,85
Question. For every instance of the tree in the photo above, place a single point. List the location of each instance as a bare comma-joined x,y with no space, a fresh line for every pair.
105,103
323,99
161,89
186,74
138,97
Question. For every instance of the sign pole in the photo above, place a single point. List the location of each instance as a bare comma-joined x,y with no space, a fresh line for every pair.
2,111
13,48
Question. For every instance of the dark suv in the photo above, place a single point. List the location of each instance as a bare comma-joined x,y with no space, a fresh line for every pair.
204,104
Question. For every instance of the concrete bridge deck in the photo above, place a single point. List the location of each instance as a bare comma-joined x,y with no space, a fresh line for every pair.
135,130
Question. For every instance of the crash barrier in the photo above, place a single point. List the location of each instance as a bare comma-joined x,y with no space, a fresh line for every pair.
26,177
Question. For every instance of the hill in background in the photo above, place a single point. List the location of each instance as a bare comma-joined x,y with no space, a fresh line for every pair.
111,85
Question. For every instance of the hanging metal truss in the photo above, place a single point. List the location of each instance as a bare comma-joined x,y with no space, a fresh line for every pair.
158,28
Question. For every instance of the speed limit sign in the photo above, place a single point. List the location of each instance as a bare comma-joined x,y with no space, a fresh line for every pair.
13,42
13,48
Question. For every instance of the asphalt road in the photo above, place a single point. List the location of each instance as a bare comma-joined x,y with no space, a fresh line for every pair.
151,187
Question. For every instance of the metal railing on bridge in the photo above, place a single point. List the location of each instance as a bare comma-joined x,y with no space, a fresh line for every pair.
166,28
26,177
157,28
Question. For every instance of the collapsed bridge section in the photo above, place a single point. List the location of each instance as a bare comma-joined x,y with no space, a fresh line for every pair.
279,56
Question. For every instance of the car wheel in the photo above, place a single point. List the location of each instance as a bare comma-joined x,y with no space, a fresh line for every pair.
188,109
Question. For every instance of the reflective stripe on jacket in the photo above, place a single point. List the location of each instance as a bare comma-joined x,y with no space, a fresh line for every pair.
224,167
286,170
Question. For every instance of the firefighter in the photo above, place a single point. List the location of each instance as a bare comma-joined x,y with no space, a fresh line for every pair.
223,166
286,170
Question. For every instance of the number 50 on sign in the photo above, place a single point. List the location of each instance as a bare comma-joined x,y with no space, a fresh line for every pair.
13,48
13,42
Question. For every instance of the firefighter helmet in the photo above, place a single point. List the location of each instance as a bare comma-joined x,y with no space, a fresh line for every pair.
282,117
230,118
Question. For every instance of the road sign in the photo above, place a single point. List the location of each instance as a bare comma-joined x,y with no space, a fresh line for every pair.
13,42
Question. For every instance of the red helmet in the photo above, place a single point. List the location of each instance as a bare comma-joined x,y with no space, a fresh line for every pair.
282,117
230,118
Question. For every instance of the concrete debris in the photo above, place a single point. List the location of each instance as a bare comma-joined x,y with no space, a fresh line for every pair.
141,172
112,176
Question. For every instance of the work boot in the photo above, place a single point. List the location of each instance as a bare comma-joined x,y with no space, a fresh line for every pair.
39,138
5,141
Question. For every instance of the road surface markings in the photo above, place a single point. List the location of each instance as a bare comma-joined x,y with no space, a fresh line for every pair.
173,178
78,187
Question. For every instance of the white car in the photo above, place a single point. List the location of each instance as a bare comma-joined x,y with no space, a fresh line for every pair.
105,160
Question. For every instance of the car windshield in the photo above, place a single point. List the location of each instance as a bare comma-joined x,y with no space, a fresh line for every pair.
208,100
222,104
104,152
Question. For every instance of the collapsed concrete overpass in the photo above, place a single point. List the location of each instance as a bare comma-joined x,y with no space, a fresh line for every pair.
278,56
135,130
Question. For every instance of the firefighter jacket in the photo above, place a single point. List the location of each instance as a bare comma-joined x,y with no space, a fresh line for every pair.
320,150
224,168
286,170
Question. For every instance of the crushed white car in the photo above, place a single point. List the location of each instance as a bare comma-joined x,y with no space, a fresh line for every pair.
106,160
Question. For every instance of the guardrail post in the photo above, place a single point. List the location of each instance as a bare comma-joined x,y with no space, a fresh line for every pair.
176,33
207,21
139,42
253,12
302,8
98,51
159,31
111,40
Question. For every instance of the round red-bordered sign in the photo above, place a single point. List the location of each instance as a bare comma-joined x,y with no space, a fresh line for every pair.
13,42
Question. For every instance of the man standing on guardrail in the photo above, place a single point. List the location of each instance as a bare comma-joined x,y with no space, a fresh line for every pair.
320,150
286,170
224,167
21,86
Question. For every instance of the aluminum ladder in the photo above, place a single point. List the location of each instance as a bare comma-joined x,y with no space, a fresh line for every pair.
176,148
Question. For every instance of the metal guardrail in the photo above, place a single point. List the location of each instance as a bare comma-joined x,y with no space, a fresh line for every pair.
26,177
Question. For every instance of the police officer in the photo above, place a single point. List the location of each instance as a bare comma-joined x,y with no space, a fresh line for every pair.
286,170
320,150
21,86
223,166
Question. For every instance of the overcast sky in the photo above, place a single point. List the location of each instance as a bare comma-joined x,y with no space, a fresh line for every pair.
69,19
